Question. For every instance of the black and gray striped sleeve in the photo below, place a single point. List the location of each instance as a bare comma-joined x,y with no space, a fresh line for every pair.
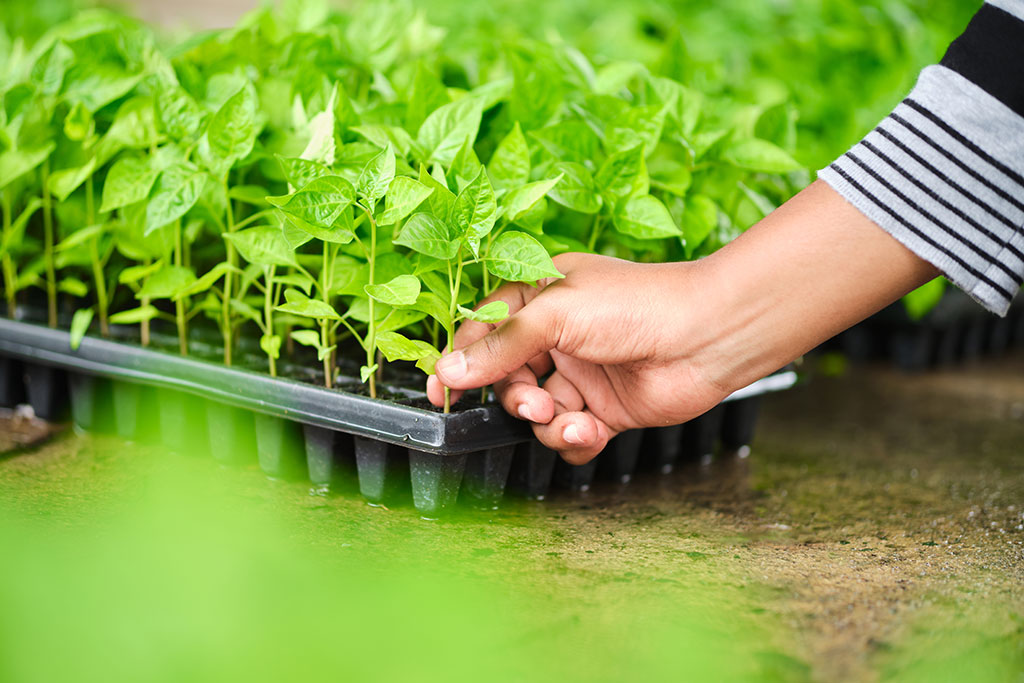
944,172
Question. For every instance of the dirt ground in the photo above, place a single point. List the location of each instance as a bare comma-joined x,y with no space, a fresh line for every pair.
875,533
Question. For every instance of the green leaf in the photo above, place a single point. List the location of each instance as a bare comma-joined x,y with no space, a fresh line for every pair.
299,280
67,180
300,305
80,322
760,155
404,196
73,286
425,234
263,246
367,370
129,180
270,344
395,346
232,131
376,176
307,338
476,210
301,172
441,202
510,164
636,126
15,163
81,236
523,198
177,190
700,216
923,299
401,291
256,195
576,190
645,218
179,115
166,282
79,123
207,280
134,316
136,273
320,203
447,127
494,312
623,174
518,257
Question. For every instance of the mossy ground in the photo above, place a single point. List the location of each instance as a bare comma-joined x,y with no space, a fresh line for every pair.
874,534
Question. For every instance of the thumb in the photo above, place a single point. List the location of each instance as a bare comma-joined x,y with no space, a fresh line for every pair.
530,332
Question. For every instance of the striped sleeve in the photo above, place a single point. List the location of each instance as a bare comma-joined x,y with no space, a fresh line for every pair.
944,172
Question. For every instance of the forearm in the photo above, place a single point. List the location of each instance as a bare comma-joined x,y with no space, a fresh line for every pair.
811,269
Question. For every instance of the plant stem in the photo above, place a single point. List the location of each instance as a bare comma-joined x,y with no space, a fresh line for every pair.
325,333
10,276
595,232
179,304
454,286
268,311
229,278
371,332
94,256
51,271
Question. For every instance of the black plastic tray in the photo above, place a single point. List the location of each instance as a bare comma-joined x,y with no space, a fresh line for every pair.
301,430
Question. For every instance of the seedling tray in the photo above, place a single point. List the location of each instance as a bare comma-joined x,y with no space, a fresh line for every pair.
299,430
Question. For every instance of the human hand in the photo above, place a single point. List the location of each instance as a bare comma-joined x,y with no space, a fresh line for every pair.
612,336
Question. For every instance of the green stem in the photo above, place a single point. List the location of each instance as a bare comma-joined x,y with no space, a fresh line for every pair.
179,304
325,333
371,331
94,255
595,232
229,277
268,311
450,326
51,270
10,276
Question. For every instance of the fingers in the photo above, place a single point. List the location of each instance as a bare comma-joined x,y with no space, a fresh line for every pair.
521,397
435,392
530,332
576,436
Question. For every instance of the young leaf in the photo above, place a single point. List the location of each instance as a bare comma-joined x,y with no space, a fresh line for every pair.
476,210
523,198
376,176
401,291
700,216
79,326
135,273
494,312
270,344
178,114
576,190
403,197
319,203
79,123
645,218
366,371
263,246
307,337
301,172
395,346
177,190
134,316
444,131
466,164
623,174
299,304
425,234
518,257
233,129
129,180
510,164
206,281
760,155
441,202
166,282
73,286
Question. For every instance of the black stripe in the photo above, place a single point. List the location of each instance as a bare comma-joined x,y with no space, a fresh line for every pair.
949,207
990,54
949,155
910,226
953,133
933,219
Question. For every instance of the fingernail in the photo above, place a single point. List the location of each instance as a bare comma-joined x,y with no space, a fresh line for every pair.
572,435
452,366
524,412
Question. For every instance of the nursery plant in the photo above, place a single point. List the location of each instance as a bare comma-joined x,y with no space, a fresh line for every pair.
347,184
